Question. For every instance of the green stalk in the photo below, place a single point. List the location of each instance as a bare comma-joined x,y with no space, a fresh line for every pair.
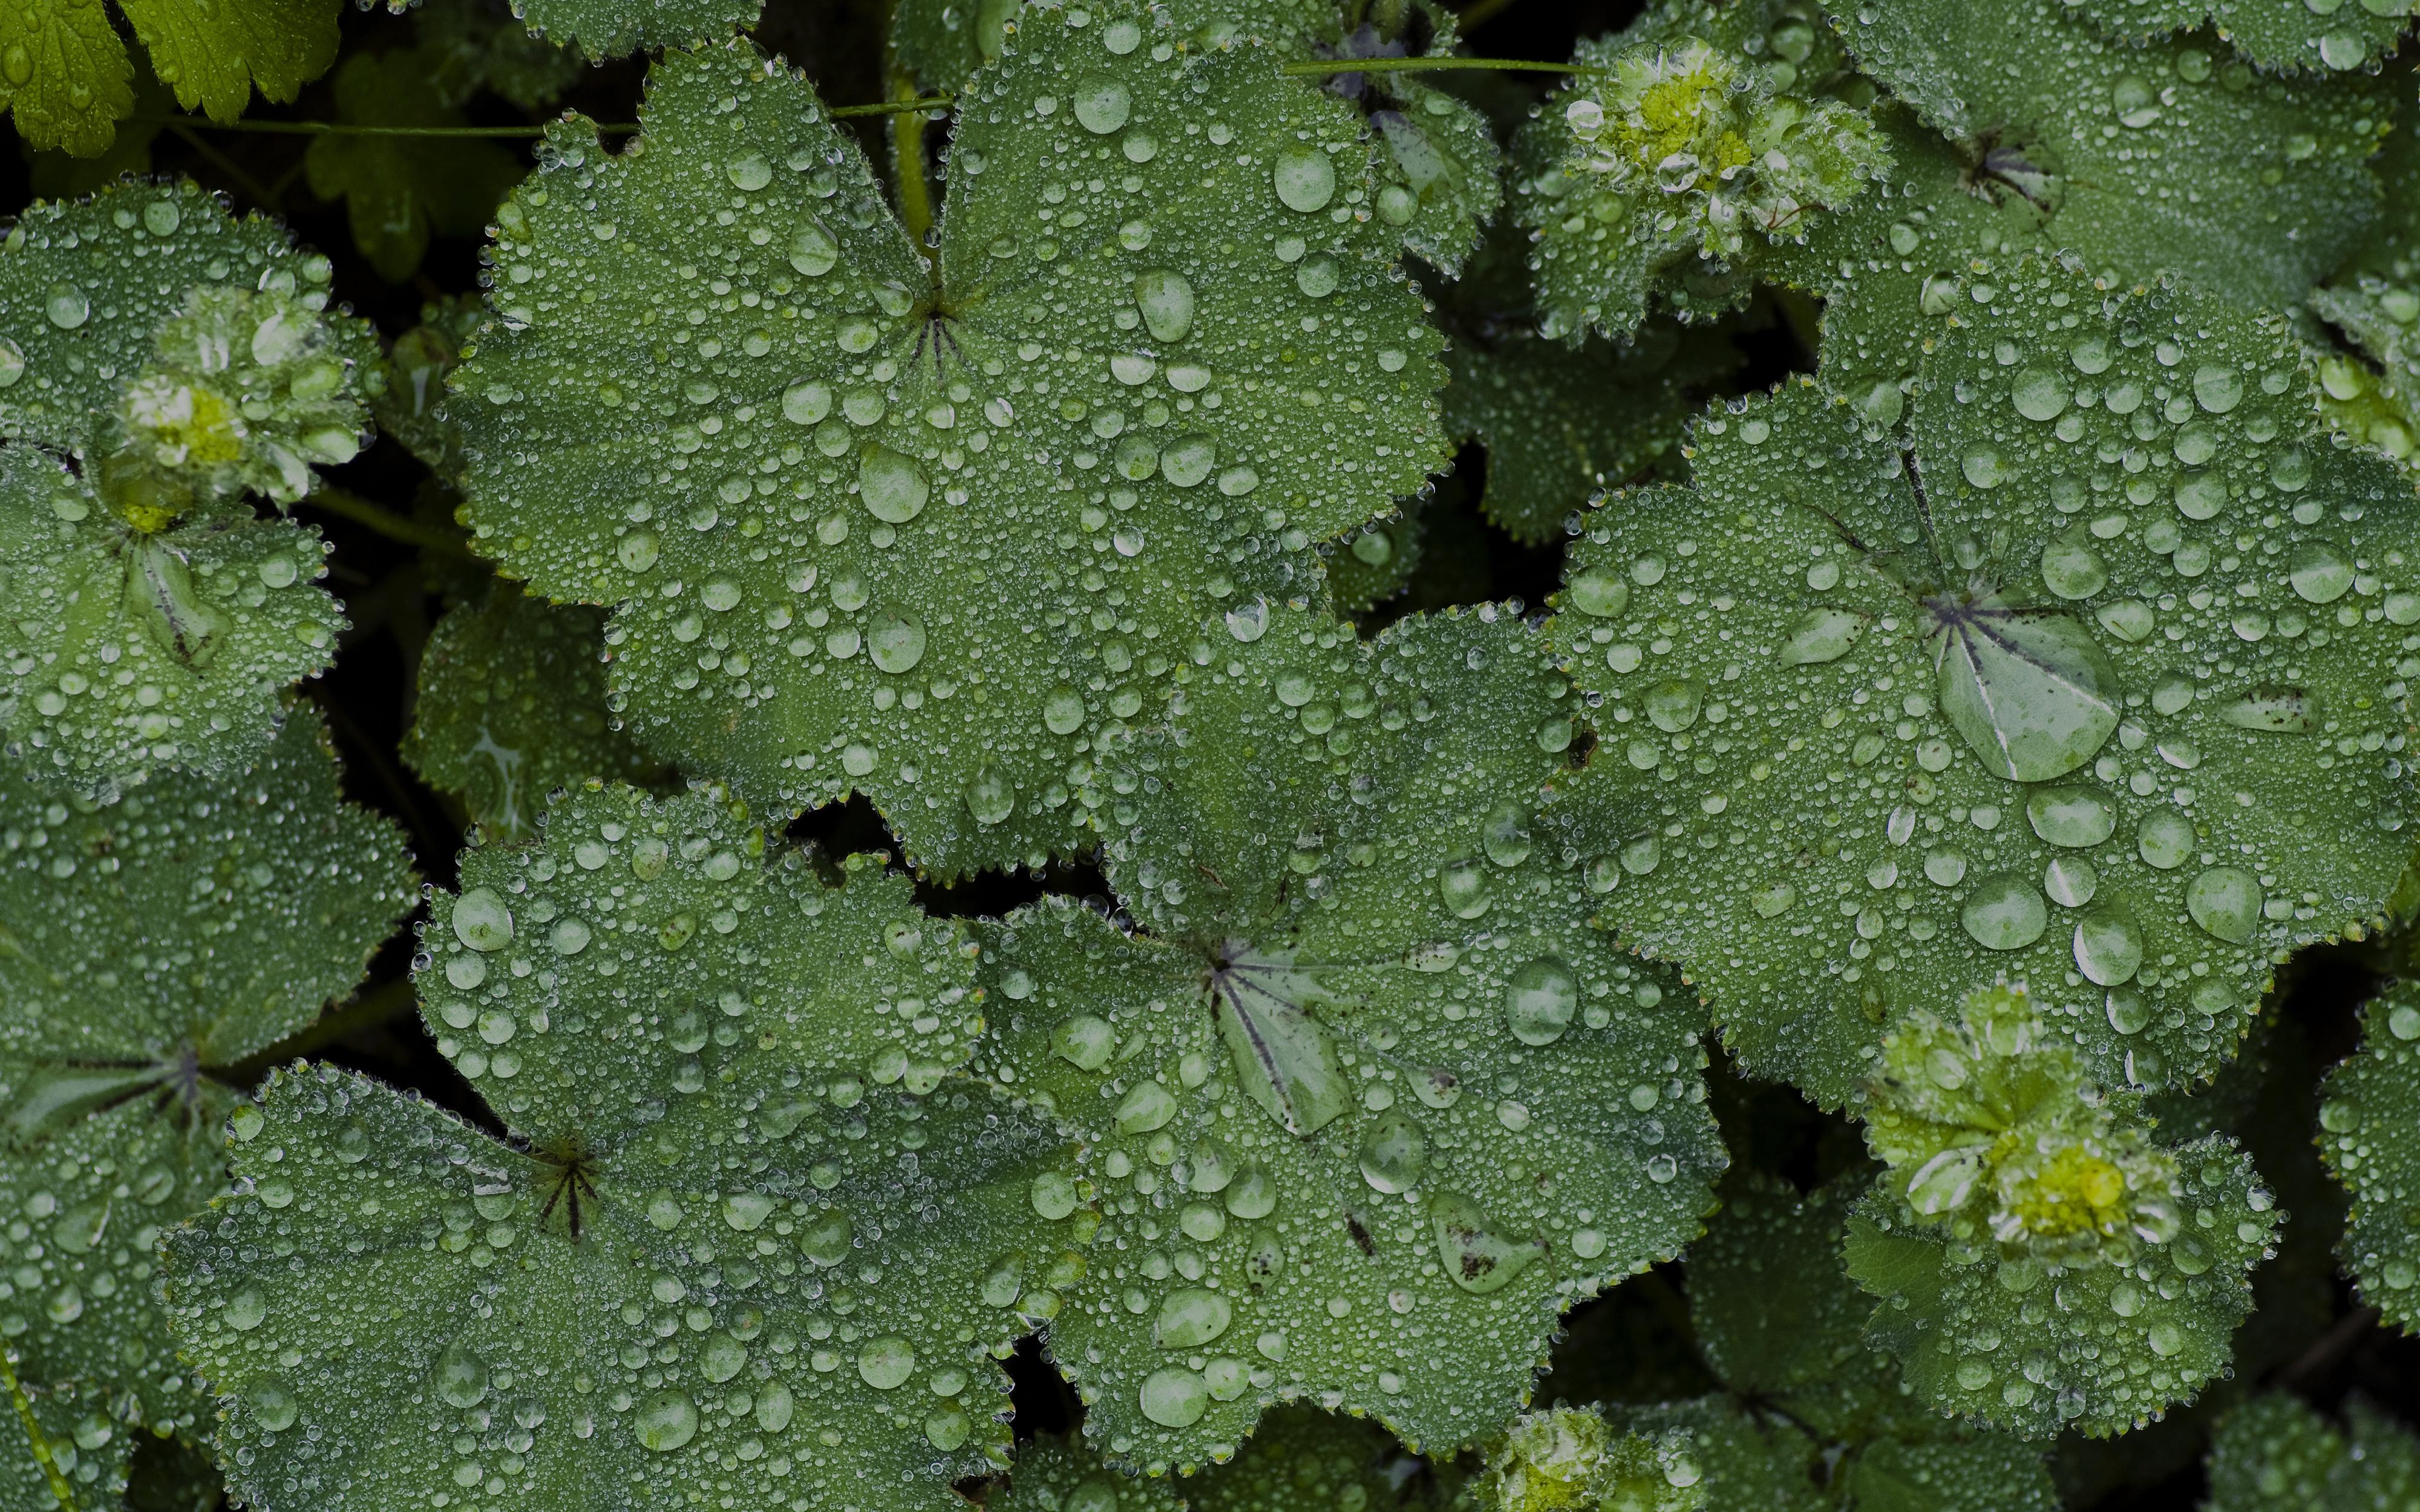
394,526
42,1455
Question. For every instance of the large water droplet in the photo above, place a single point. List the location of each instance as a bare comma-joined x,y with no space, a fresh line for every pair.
2005,912
748,173
1102,105
1540,1001
1175,1398
2072,817
813,250
1477,1258
12,362
895,640
2030,689
1165,300
66,306
991,798
895,489
482,922
1463,887
272,1406
827,1238
1600,590
2108,947
1394,1154
2226,900
2040,394
1305,178
887,1362
1062,711
1504,834
461,1375
666,1421
2319,573
1822,634
1191,1316
2164,839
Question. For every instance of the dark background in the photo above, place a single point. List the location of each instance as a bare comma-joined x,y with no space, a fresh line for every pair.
1632,1343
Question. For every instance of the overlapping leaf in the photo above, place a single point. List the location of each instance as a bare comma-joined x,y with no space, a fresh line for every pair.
2043,1264
147,947
610,28
1566,1458
2371,1107
471,45
1683,151
2321,37
2274,1454
1366,1104
751,1240
935,534
2141,159
398,192
512,706
2094,675
1438,179
66,76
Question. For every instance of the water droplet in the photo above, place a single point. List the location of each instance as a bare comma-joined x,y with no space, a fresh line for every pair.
895,640
1147,1107
2071,881
666,1421
482,922
1540,1001
990,796
66,306
1394,1154
895,489
2278,710
1084,1042
1672,704
1305,179
2108,947
2076,818
1102,105
1062,711
2217,388
1247,623
748,173
272,1406
827,1238
1504,834
2404,1022
813,250
1477,1257
2073,570
746,1212
1165,300
1822,634
2319,573
1464,885
1191,1316
723,1358
1175,1398
2226,900
1983,467
1599,591
887,1362
2005,912
12,362
2164,839
2040,394
2033,693
461,1375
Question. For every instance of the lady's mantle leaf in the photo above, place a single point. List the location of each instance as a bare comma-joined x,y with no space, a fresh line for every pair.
400,190
2322,38
2274,1454
1567,1457
68,81
1055,1474
2043,1262
146,946
2098,136
2367,1125
1367,1103
2095,677
1298,1457
934,534
512,706
124,650
1674,162
749,1240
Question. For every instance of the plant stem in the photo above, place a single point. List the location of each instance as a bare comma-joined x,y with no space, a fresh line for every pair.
42,1456
184,125
908,154
394,526
1322,68
385,1001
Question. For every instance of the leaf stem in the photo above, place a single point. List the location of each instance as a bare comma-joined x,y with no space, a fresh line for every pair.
345,504
1322,68
186,125
907,155
42,1456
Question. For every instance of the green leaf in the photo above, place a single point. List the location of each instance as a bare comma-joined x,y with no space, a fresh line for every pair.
512,706
125,651
2275,1455
85,290
65,76
2043,1264
1878,724
1750,1461
1986,1472
398,192
1567,1459
416,366
1373,562
876,552
215,55
147,947
1302,1457
2096,139
87,1445
749,1239
1776,1316
611,28
1060,1474
1672,162
471,45
1367,1104
2369,1110
2272,36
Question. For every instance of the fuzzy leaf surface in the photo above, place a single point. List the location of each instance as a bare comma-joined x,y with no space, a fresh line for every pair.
741,1243
2133,748
2371,1104
2102,133
215,55
2274,36
611,28
1367,1104
123,652
512,706
904,565
2274,1454
146,946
